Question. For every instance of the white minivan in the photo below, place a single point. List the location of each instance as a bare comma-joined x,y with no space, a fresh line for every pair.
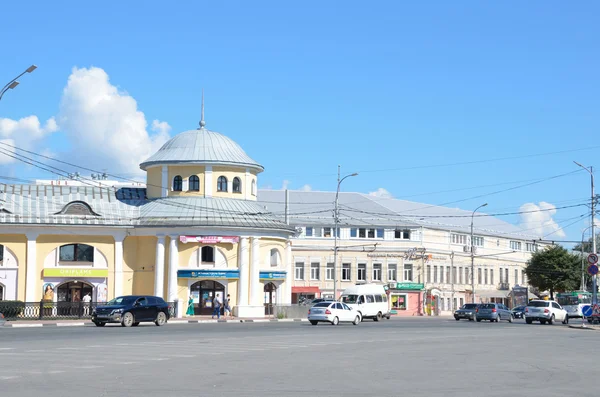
370,300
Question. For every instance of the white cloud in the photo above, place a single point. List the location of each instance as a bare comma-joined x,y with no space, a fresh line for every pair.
104,125
381,192
7,151
537,219
26,132
306,188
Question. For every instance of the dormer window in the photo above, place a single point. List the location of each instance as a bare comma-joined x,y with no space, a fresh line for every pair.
237,185
253,191
222,184
194,184
177,184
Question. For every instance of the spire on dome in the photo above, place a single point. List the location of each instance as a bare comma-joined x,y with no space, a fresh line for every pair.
202,122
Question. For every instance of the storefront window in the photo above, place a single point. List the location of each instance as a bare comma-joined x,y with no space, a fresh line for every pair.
399,302
76,253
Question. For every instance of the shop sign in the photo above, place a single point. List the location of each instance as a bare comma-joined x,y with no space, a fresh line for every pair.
211,274
410,286
209,239
272,275
70,272
411,254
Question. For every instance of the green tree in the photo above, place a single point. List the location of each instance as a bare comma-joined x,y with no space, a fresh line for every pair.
587,246
554,269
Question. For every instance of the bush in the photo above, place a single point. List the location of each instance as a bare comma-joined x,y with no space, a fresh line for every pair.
281,315
11,309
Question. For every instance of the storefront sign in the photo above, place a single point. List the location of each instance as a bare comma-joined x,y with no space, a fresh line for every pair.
272,275
209,239
212,274
56,272
410,286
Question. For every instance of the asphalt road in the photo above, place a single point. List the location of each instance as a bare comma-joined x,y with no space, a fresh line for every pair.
399,357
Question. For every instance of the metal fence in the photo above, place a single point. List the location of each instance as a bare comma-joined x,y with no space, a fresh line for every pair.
43,310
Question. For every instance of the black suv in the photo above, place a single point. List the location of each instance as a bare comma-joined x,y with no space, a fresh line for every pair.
131,311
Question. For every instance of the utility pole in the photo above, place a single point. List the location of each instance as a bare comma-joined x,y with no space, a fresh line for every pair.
473,255
594,277
452,277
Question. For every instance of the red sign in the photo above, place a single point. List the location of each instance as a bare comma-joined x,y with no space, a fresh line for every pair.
209,239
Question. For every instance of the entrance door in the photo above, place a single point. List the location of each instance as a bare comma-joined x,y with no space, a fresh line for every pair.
1,292
270,297
206,291
69,296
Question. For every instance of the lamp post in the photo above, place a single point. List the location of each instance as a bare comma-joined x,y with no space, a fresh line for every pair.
473,255
335,231
594,278
583,259
13,83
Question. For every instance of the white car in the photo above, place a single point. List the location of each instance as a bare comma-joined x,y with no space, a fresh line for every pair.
334,313
545,312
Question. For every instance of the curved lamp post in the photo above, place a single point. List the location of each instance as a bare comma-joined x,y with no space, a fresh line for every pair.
473,255
13,83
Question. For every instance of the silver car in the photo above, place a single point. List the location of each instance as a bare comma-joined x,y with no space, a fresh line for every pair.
493,312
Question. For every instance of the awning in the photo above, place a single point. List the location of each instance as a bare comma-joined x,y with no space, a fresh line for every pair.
533,296
305,290
492,294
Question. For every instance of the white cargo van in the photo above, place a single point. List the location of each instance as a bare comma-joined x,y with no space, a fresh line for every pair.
370,300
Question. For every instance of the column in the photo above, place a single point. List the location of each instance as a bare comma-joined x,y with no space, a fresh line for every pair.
243,266
208,181
159,268
289,276
31,274
255,289
173,266
165,182
247,186
118,265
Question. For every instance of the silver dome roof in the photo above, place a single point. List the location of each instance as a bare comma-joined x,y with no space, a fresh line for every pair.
201,146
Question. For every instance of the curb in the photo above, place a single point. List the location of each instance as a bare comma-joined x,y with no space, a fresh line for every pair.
584,328
174,322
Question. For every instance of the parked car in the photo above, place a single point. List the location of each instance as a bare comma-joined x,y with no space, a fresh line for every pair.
370,300
545,312
519,312
132,310
493,312
334,313
466,311
319,300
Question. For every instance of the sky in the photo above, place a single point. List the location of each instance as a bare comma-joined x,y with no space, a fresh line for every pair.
454,103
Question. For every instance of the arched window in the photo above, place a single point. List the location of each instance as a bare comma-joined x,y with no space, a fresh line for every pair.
222,184
76,253
237,185
208,255
194,183
177,183
275,260
253,187
1,253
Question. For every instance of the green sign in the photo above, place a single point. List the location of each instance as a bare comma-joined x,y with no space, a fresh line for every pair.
411,286
72,272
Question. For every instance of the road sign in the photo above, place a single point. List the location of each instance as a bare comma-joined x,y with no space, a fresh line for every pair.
592,269
587,311
592,259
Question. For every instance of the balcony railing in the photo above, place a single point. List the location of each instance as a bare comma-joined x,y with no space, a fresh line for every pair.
504,286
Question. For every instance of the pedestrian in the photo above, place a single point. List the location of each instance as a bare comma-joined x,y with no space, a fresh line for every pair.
86,304
216,307
228,307
190,309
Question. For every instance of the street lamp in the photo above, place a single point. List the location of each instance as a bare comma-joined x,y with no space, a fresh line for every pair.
582,258
13,83
335,231
594,281
473,256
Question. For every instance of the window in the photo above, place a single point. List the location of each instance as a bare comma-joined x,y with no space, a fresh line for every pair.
1,253
462,301
486,275
500,281
448,274
299,270
208,255
253,190
309,232
515,245
222,184
330,271
398,302
478,241
314,271
516,276
380,233
376,271
506,275
441,274
194,184
435,274
403,234
274,256
346,272
460,275
366,233
392,272
76,253
362,272
459,239
408,272
479,276
492,276
467,278
327,232
454,279
237,185
428,273
177,183
523,281
530,247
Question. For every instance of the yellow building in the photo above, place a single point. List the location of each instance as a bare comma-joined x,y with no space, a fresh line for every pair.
195,230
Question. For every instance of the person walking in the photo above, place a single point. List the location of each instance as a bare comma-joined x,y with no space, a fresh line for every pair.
216,307
190,309
227,312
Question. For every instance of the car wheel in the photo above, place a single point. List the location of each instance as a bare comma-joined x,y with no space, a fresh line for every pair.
528,320
135,324
566,320
356,320
478,320
377,317
471,319
389,316
127,320
456,318
552,319
510,319
313,322
99,324
542,322
161,319
335,321
498,318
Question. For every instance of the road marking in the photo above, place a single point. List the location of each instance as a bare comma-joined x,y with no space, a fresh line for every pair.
183,355
9,377
127,362
26,325
70,324
56,372
7,348
158,359
69,348
90,366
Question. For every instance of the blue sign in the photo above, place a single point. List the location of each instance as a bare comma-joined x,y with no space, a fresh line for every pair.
593,269
272,275
212,274
587,311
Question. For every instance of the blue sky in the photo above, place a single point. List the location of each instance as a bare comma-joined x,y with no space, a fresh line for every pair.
396,91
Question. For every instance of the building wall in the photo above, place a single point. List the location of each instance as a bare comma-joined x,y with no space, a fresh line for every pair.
17,244
185,172
154,182
230,173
